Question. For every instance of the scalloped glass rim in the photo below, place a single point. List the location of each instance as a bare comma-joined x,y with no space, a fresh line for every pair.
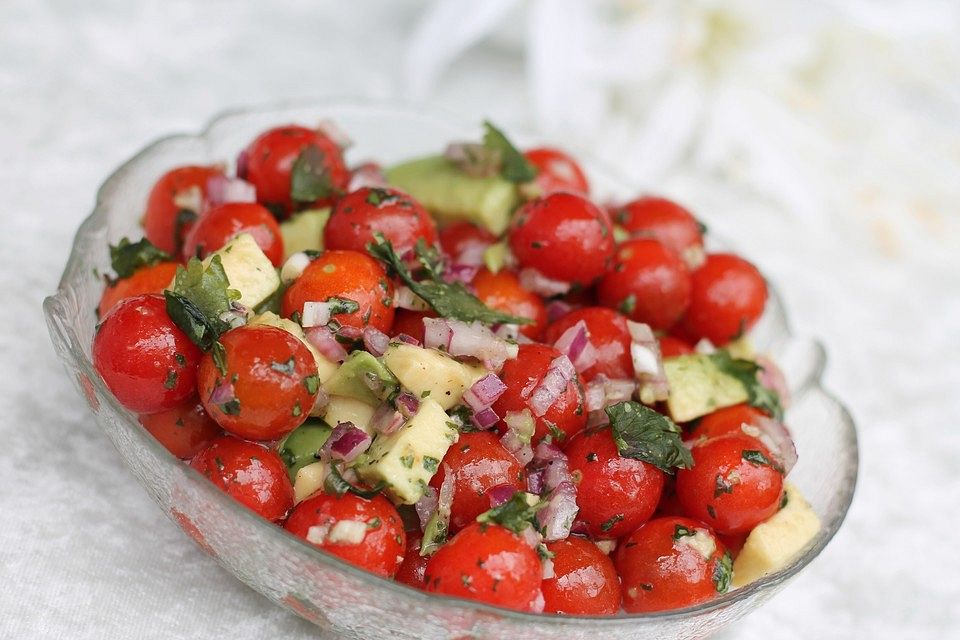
148,459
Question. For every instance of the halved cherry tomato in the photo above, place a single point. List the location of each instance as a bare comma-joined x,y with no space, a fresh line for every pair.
224,222
348,275
148,363
727,297
251,474
557,171
564,417
564,237
670,563
174,203
365,532
478,463
615,494
261,384
663,220
489,563
359,215
584,581
184,430
502,291
648,283
734,484
150,279
414,565
466,242
608,335
671,346
723,422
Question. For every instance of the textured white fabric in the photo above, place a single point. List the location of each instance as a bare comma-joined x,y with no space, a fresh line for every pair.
83,551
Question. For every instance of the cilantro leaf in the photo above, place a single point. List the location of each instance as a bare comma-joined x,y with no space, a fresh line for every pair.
643,434
309,177
514,165
514,514
746,372
199,298
126,257
449,299
337,485
723,573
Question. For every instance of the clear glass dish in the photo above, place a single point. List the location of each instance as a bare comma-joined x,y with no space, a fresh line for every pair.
321,588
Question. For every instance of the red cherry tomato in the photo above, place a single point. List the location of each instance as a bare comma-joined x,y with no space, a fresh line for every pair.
478,463
183,430
584,582
376,543
465,242
522,375
251,474
224,222
557,171
649,283
724,422
268,162
369,210
616,495
608,335
671,347
663,220
410,323
148,363
262,386
669,563
502,291
734,485
563,236
151,279
727,297
414,565
489,563
174,203
669,504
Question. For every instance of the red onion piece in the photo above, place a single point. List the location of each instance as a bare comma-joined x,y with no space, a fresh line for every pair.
375,341
531,536
407,404
575,343
556,519
386,419
222,393
315,314
320,402
407,339
460,273
346,442
580,528
368,174
472,253
602,391
557,309
554,382
548,571
243,163
500,494
474,159
647,363
350,332
520,429
533,280
597,418
293,267
771,377
331,130
324,341
467,340
484,392
484,419
405,298
776,438
426,505
535,481
221,189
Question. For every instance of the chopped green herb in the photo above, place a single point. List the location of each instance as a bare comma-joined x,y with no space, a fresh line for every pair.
171,380
680,531
592,457
309,178
514,165
287,367
628,304
425,394
377,196
756,457
342,305
335,484
558,435
185,218
712,511
231,407
312,383
746,372
721,486
643,434
219,354
723,573
609,524
179,357
127,257
374,523
407,461
297,410
784,500
431,464
199,298
514,514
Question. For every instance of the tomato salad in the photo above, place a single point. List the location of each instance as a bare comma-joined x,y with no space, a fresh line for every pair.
461,372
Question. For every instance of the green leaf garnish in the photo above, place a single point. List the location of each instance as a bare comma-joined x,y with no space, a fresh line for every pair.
514,514
127,257
723,573
198,299
309,178
514,165
643,434
746,372
680,531
336,484
449,299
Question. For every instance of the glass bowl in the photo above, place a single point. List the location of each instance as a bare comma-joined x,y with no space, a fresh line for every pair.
334,595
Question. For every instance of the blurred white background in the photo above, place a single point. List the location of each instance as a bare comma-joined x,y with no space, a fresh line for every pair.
842,117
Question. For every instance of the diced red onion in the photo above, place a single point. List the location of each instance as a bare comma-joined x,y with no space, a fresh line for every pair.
472,253
346,442
500,494
221,189
531,536
575,342
533,280
597,418
776,438
771,377
324,341
293,267
405,298
474,159
647,363
472,340
507,331
386,419
320,402
548,571
554,382
580,528
315,314
484,419
426,506
602,391
407,404
460,273
408,339
368,174
548,452
557,309
535,481
606,546
222,393
375,341
484,392
350,332
437,333
556,519
243,164
337,135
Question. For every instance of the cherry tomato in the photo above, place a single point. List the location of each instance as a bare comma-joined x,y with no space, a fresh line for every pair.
608,335
724,422
615,494
268,163
502,291
148,363
669,504
410,323
183,430
734,485
478,463
649,283
563,236
367,533
414,565
489,563
263,384
466,242
174,203
251,474
564,417
150,279
584,582
359,215
348,275
223,223
670,563
727,297
663,220
557,171
671,347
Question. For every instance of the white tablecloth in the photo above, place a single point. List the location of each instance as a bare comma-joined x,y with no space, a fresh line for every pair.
84,553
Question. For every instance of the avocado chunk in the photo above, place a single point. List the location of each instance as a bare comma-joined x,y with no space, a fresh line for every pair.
302,445
406,459
699,387
452,195
304,231
431,373
363,377
344,409
249,271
